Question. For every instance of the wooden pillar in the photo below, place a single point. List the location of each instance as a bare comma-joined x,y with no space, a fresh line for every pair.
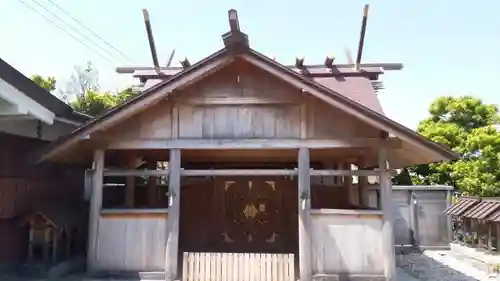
363,185
95,209
172,245
449,221
389,256
130,190
46,240
490,231
415,234
304,190
151,185
347,180
31,241
498,236
55,243
67,244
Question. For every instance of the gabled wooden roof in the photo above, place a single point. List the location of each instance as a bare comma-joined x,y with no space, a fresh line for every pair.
223,58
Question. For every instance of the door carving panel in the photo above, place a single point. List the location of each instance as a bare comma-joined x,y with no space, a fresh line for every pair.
253,214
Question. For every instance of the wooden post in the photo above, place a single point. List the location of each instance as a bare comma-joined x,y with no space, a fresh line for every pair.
55,244
95,209
415,235
498,236
490,245
46,240
172,246
353,200
68,243
362,185
130,186
389,256
151,185
304,190
31,241
449,222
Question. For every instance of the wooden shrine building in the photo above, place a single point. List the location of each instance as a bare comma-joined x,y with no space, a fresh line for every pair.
240,156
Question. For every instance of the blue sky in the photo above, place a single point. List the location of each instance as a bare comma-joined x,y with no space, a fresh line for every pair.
447,47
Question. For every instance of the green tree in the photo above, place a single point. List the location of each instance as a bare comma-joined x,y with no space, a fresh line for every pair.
84,87
470,128
83,91
48,83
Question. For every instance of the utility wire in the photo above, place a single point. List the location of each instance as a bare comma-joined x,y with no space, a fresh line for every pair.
92,32
75,30
112,63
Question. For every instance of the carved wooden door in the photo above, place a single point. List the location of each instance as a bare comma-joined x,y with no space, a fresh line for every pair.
252,214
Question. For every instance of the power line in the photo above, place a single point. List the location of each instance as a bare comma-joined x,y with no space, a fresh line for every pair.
63,30
75,30
89,30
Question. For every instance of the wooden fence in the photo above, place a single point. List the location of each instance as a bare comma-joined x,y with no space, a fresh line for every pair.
238,267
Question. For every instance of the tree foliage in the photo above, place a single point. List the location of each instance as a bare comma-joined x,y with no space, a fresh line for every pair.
47,83
83,91
85,86
470,128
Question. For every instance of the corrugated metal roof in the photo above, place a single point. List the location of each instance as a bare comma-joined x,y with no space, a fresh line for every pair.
463,204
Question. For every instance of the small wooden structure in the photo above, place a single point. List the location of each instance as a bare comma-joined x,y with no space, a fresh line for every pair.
477,222
53,233
262,159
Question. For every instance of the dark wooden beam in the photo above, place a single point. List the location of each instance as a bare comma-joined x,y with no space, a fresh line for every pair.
185,63
362,36
235,40
233,20
151,40
329,61
299,62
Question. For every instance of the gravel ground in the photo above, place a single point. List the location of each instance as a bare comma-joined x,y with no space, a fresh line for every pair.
440,266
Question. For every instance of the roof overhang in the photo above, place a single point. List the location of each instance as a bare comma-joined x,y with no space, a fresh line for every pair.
16,104
402,157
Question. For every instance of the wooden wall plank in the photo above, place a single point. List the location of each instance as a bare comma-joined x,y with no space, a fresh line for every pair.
333,251
139,247
325,121
239,121
148,124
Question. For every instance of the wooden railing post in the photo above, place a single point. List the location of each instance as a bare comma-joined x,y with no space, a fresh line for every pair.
389,256
172,245
304,190
449,221
95,209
